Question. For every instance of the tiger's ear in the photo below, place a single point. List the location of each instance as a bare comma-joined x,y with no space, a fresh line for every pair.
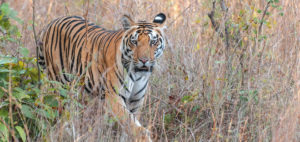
159,18
127,22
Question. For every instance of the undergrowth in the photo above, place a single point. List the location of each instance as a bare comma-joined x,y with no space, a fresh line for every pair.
230,73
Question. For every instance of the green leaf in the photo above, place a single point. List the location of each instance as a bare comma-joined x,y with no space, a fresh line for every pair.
27,111
11,13
21,133
281,13
3,132
51,101
258,11
195,108
24,51
63,92
44,113
168,118
7,60
3,112
20,93
5,70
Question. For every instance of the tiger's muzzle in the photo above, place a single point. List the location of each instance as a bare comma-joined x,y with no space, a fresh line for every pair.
144,65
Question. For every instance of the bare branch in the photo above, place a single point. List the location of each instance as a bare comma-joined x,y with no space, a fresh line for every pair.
86,22
225,10
211,17
215,25
263,16
223,6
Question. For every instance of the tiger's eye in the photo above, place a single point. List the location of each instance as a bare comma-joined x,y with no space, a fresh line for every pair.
133,41
152,42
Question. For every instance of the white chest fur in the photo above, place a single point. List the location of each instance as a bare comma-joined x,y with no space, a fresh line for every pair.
136,85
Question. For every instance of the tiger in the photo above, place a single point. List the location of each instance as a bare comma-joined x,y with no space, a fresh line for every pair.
116,64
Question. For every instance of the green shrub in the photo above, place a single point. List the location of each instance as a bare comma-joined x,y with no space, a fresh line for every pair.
26,111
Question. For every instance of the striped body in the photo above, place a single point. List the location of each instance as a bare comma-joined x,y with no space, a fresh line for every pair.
115,64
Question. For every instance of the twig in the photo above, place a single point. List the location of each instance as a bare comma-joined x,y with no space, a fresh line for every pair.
263,16
86,23
3,89
215,25
259,32
225,10
163,126
36,44
10,105
212,20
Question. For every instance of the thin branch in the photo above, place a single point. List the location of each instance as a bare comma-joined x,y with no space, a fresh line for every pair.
211,17
259,32
86,23
10,113
216,26
223,6
263,16
225,10
36,44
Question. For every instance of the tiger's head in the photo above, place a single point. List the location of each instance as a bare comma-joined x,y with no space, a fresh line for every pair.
143,43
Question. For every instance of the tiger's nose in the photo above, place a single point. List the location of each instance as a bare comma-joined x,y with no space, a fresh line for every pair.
143,60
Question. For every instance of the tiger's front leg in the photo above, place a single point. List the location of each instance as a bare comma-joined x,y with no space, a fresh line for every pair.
126,119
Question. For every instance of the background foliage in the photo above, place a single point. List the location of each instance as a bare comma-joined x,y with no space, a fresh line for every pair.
230,73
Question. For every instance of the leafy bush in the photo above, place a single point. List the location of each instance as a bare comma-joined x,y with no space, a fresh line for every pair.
9,31
25,110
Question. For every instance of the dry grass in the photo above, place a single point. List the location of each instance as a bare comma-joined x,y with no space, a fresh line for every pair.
201,90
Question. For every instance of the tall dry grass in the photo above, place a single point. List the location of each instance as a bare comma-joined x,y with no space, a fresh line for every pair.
202,89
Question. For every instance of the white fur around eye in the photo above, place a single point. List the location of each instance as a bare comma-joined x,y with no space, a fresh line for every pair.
158,18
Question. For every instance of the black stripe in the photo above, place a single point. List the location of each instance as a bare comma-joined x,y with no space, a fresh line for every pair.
131,77
136,100
124,99
134,109
89,84
87,89
111,37
73,50
113,88
67,36
138,79
78,60
60,51
55,31
141,89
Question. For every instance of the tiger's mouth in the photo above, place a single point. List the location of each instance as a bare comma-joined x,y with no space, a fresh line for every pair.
143,69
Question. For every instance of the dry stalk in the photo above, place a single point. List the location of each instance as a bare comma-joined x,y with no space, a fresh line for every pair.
86,22
163,127
36,44
10,105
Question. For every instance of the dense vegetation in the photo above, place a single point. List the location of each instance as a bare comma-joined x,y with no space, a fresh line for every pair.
230,73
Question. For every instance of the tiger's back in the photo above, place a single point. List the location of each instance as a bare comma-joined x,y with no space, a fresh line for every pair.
68,44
